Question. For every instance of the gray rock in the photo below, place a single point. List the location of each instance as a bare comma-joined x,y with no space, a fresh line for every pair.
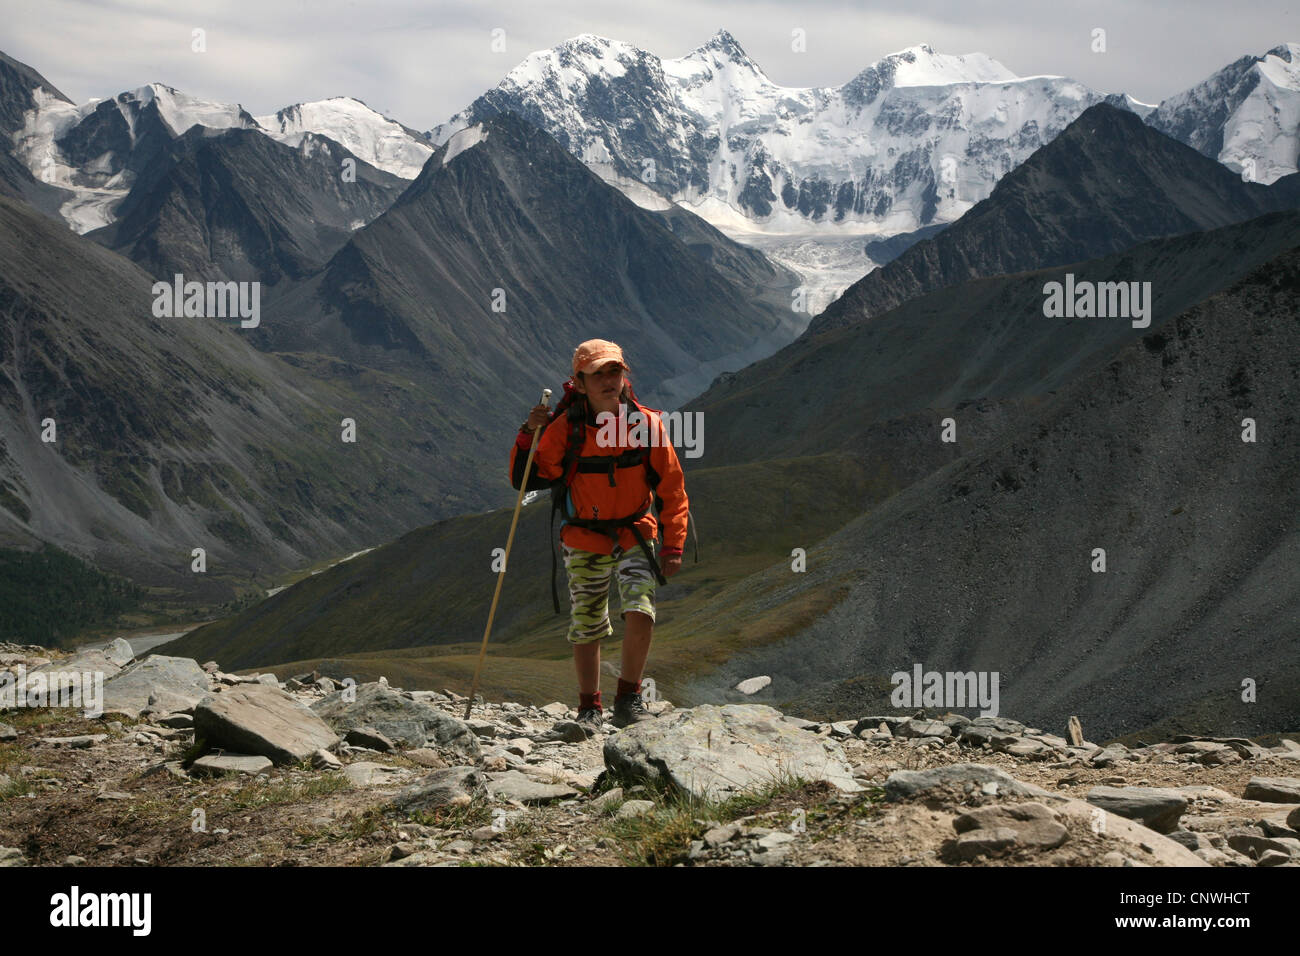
177,721
513,785
325,685
425,758
178,679
257,719
918,727
454,786
1004,724
1156,807
1273,789
411,723
721,834
567,731
972,736
7,732
965,777
370,738
753,685
119,652
1026,747
607,799
483,728
237,763
715,752
555,709
976,843
1273,858
1075,731
1034,825
634,808
1191,839
1293,819
163,701
871,723
363,773
1110,755
1249,841
12,856
324,760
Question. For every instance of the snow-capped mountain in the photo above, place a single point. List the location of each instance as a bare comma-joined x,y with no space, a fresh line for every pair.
96,150
914,139
1247,115
382,142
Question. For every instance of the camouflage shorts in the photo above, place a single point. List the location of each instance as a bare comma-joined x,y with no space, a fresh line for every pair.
589,578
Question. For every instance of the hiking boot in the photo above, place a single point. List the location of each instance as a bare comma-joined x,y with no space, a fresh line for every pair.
591,720
630,709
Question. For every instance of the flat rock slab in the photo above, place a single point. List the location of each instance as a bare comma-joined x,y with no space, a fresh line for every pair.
963,777
1031,825
717,752
410,723
258,719
176,679
1156,807
364,773
231,763
454,786
513,785
1273,789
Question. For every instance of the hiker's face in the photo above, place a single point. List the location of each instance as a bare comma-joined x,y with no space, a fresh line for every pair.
603,386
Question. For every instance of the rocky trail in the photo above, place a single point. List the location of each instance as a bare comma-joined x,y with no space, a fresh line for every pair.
188,765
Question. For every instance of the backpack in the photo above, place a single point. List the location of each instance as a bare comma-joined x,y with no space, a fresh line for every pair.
574,407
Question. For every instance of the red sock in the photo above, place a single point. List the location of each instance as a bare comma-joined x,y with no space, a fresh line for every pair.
586,701
626,687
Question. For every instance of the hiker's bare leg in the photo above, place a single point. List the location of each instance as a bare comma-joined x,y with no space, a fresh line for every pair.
586,659
636,644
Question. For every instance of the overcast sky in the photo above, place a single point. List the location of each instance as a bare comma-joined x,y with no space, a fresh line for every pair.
420,62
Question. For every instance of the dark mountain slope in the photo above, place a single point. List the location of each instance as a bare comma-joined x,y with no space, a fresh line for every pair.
985,564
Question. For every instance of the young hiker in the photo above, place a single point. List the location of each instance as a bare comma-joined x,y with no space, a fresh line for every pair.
608,529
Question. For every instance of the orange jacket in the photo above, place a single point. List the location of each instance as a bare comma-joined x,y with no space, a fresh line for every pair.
592,497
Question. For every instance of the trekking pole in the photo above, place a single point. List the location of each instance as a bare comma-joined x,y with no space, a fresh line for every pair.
505,562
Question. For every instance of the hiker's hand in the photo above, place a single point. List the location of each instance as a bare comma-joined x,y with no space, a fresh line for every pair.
537,417
672,564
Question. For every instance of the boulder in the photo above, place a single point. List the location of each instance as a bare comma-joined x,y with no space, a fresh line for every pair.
408,722
964,777
513,785
1032,825
1156,807
715,752
179,679
1273,789
259,719
454,786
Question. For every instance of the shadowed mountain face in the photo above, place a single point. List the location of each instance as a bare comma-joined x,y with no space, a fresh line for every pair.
17,81
173,434
983,341
235,204
1107,182
988,564
502,256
